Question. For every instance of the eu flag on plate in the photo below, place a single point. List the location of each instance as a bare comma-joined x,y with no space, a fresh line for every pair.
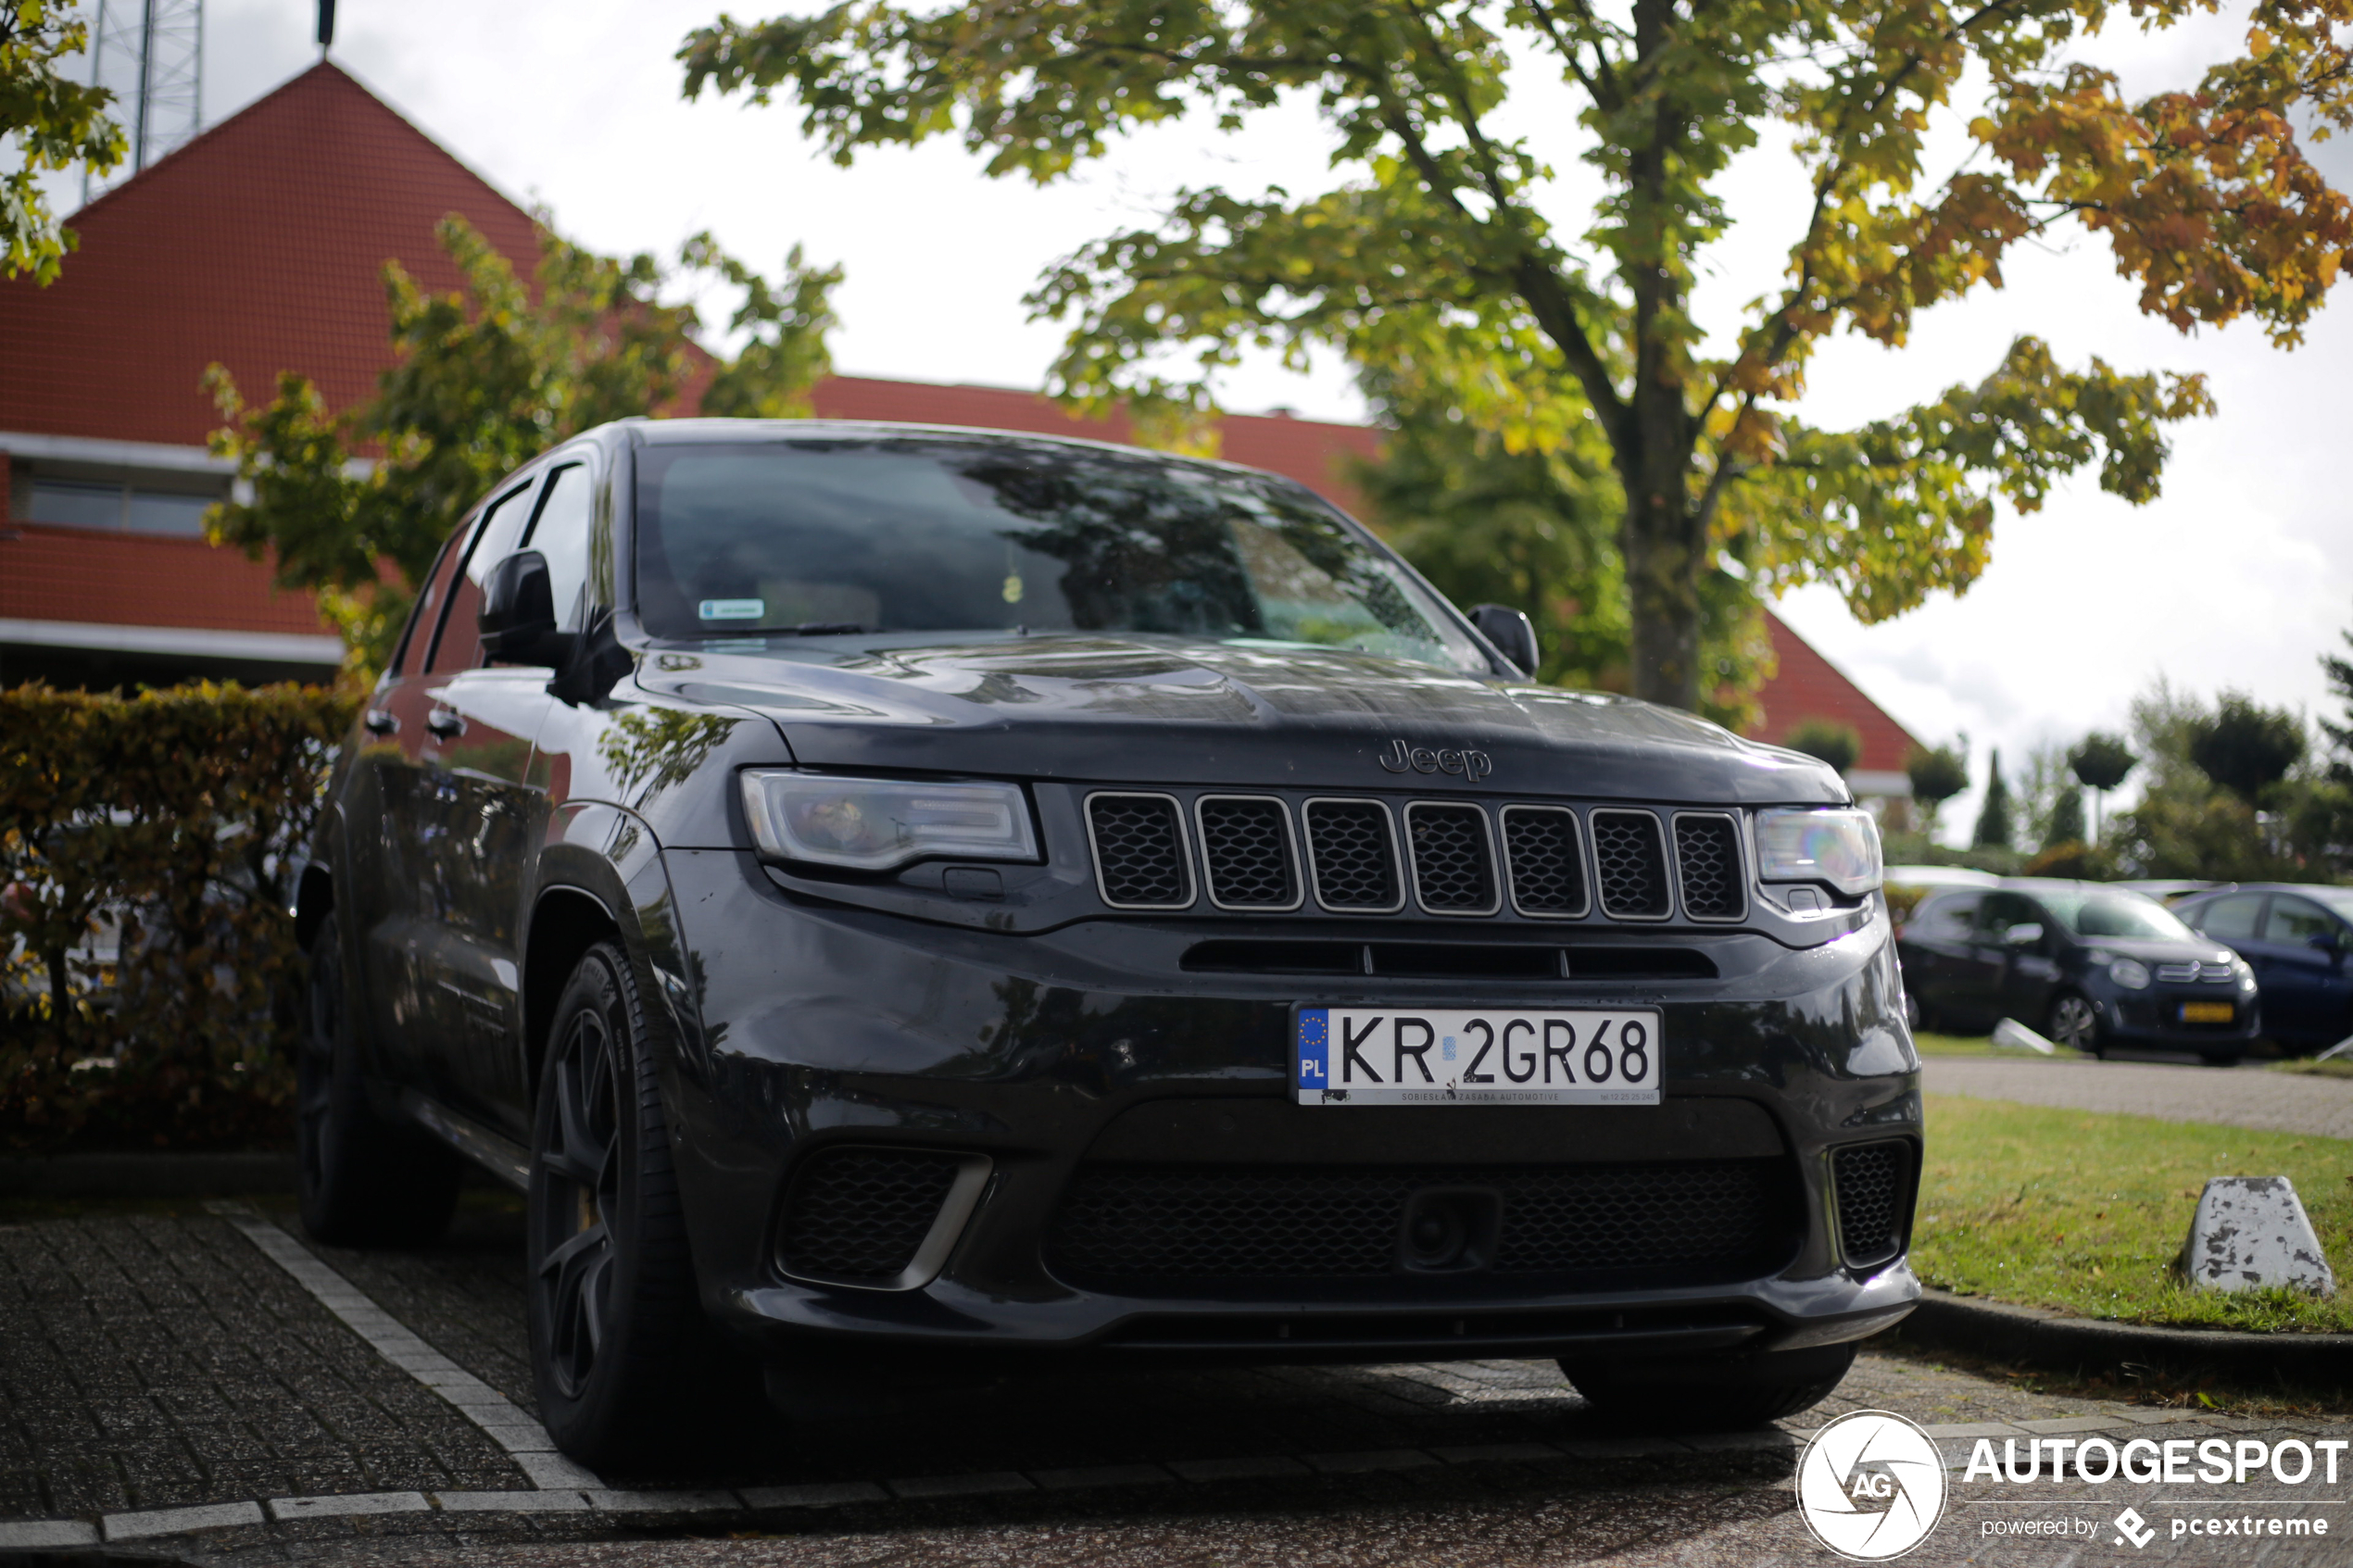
1315,1046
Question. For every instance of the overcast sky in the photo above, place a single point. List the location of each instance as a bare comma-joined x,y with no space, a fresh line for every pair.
2239,576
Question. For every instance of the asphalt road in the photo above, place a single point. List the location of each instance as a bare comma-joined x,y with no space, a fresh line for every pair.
2242,1097
207,1387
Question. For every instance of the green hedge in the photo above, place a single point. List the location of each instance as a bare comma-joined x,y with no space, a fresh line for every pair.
161,826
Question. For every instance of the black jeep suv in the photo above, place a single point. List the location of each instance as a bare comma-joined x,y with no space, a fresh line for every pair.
905,897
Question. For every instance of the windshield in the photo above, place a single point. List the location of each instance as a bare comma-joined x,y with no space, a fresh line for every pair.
946,535
2115,914
2338,899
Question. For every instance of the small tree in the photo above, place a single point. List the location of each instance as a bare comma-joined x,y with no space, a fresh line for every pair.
2100,762
55,124
2246,747
2339,671
1994,818
1937,775
2067,819
1827,740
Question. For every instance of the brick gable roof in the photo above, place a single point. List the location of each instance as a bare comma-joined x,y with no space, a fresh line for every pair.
1808,686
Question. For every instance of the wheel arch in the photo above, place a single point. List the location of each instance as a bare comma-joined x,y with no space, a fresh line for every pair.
566,921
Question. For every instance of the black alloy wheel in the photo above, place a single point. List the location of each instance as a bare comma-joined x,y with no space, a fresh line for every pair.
2075,1024
614,1320
361,1181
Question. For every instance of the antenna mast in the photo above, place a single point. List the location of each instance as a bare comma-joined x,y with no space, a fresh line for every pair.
151,54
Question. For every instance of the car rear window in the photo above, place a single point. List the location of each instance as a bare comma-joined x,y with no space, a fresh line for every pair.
821,537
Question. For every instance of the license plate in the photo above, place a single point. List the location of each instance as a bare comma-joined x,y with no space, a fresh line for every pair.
1436,1056
2206,1012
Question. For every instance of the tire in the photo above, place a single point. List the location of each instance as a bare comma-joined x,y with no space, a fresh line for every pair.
1714,1394
617,1332
2075,1022
363,1180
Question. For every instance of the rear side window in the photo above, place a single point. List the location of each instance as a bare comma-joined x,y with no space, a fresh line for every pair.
2296,920
2230,920
423,618
1950,919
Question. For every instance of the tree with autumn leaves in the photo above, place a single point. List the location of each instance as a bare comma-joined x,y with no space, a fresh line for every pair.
1434,260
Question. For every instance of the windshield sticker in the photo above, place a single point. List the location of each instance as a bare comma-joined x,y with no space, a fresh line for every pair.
733,609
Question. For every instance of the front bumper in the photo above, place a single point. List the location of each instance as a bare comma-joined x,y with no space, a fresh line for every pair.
2153,1017
807,1027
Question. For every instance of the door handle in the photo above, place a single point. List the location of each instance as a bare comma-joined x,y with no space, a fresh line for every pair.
380,722
445,723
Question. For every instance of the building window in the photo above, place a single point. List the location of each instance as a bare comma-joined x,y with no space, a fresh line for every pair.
81,503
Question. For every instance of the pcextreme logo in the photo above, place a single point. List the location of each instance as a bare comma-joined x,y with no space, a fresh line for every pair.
1871,1486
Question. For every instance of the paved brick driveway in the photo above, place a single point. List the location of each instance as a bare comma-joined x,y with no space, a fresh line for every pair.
171,1383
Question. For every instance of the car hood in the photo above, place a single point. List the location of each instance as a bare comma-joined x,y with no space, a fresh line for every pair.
2159,950
1149,709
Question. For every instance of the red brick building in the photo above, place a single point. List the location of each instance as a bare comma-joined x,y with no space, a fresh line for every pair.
259,245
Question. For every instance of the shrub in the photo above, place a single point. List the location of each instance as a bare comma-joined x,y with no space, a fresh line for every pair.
167,821
1828,741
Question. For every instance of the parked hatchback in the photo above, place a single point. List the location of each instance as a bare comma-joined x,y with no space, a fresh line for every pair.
2090,966
2295,939
902,897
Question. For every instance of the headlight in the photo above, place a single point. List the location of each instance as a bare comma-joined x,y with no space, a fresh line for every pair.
874,824
2129,974
1840,847
2245,972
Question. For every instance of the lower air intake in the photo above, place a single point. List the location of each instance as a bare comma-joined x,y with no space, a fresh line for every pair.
860,1215
1874,1188
1157,1227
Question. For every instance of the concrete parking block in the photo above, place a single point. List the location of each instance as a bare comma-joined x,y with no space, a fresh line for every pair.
1102,1475
510,1502
2073,1424
347,1504
27,1535
607,1500
820,1494
979,1483
178,1521
1369,1459
1495,1453
1244,1469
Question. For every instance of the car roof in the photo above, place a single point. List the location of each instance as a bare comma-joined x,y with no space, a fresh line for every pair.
680,433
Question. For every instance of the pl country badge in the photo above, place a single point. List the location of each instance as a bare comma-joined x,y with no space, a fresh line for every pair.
1871,1486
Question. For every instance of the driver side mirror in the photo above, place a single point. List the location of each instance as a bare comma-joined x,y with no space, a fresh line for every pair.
518,616
2023,934
2328,943
1512,633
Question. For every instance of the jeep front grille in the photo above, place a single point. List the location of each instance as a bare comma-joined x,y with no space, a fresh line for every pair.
1139,851
1453,858
1245,841
1354,856
1173,1226
1708,854
1630,864
1547,863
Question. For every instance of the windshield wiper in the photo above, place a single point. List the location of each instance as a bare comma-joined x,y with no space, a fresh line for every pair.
818,629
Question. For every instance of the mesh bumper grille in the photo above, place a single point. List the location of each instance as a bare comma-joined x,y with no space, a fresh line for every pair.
1247,844
861,1214
1874,1182
1547,864
1139,851
1146,1226
1354,855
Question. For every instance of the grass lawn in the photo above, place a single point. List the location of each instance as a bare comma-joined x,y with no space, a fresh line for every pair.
2085,1212
1964,1044
2340,1068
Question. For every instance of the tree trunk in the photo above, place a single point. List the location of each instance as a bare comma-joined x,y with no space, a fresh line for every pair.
1660,542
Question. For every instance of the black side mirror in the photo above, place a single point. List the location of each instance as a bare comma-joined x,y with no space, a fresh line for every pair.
2328,943
1512,633
518,616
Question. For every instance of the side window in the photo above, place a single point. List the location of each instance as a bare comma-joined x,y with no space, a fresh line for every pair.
2232,918
1950,920
2295,922
421,618
560,533
2003,911
457,644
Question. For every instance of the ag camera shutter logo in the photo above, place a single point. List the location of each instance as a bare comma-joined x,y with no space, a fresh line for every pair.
1871,1486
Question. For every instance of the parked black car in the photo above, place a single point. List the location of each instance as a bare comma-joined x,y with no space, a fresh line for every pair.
2295,939
887,891
2090,966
